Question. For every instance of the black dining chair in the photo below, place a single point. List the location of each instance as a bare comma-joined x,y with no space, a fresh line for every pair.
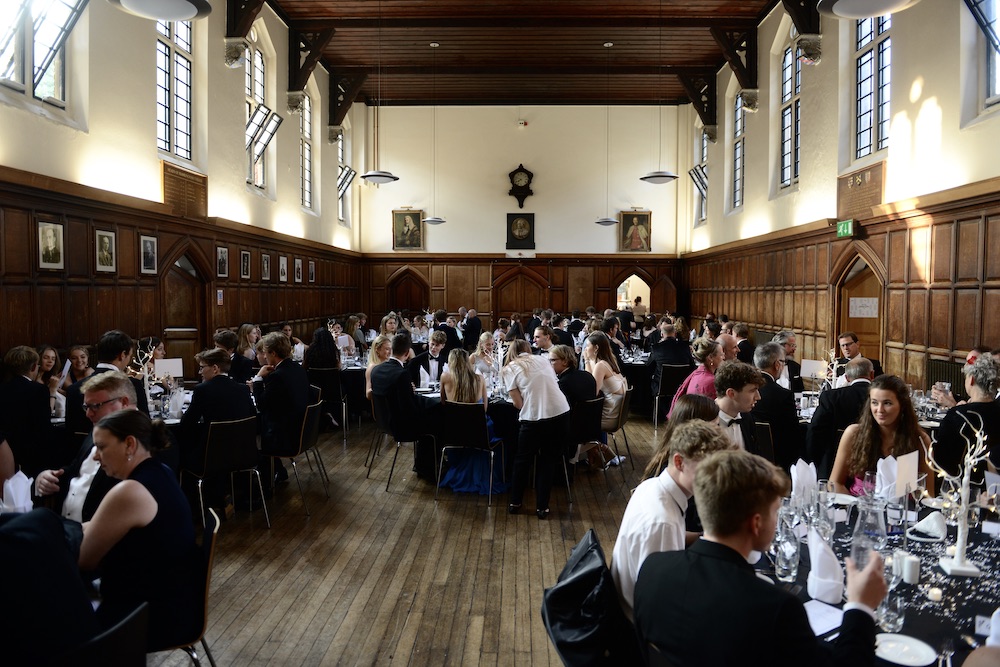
465,427
765,440
308,436
585,430
122,644
231,447
619,426
329,381
672,376
383,417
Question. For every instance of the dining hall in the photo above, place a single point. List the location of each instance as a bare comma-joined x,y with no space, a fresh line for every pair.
781,217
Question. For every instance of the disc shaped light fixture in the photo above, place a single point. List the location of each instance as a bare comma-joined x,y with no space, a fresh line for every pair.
861,9
607,220
166,10
659,176
376,175
434,219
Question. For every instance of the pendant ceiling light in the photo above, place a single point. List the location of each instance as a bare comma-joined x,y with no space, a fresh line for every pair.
659,176
861,9
166,10
377,175
607,220
434,219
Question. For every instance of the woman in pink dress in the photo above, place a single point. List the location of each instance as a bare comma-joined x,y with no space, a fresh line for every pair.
709,356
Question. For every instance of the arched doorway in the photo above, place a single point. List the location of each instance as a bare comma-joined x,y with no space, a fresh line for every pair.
183,292
407,290
629,289
860,308
518,291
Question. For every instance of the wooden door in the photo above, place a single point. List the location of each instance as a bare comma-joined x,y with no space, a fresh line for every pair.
861,309
408,293
184,315
520,294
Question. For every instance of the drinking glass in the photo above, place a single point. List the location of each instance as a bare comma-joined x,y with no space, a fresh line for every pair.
871,478
892,613
893,570
895,515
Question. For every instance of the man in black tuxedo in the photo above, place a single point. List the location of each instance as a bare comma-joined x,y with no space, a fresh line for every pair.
667,352
473,329
114,353
240,368
281,389
536,319
82,484
850,347
576,385
838,409
440,324
543,340
392,380
25,413
737,389
791,374
777,407
683,598
432,360
562,336
744,348
612,329
217,398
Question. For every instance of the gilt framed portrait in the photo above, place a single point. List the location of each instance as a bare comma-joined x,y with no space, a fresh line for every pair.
408,230
265,267
245,264
520,231
634,227
107,255
147,254
50,246
222,262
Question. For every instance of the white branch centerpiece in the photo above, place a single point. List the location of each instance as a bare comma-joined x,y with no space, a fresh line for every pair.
139,368
975,453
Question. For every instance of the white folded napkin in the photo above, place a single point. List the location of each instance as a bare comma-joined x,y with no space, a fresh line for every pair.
994,638
17,493
933,524
176,405
425,378
803,479
885,478
826,576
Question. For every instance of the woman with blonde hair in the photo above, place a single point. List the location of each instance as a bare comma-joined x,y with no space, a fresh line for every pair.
248,335
380,351
708,356
484,358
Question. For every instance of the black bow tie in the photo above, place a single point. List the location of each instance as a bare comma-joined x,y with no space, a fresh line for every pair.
737,421
434,358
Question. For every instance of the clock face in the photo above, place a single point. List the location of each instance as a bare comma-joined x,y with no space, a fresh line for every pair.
520,228
520,179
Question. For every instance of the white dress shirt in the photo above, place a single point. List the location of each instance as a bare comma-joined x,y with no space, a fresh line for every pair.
732,428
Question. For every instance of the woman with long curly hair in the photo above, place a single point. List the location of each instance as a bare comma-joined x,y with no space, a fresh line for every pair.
599,361
322,351
887,428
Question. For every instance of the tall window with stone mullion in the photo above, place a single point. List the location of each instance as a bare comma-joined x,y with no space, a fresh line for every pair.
174,88
873,69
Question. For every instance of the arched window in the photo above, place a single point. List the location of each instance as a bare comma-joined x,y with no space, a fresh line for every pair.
788,113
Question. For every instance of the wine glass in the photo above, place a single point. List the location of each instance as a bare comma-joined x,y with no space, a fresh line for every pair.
893,571
871,478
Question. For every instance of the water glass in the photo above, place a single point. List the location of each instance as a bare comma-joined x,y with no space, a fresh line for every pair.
895,515
892,613
786,559
893,570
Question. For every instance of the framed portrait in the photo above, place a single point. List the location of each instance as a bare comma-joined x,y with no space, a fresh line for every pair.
407,230
312,271
298,270
634,227
282,268
222,262
245,264
265,267
107,255
147,254
50,246
520,231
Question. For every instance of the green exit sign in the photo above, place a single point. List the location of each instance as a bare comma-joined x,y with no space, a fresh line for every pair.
845,228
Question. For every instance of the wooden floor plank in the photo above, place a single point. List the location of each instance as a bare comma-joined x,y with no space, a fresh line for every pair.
393,578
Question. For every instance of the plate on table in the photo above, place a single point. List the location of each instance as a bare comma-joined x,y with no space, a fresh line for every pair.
171,421
423,390
903,650
844,499
58,420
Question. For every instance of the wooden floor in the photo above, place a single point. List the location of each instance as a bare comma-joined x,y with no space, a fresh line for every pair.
377,578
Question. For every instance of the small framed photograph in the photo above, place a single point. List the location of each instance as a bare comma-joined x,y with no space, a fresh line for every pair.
407,230
635,230
50,246
282,268
265,267
147,254
107,256
298,270
312,271
245,264
222,262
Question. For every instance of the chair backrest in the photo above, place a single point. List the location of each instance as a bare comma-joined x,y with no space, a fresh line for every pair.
328,380
655,657
585,420
465,425
122,644
380,412
315,393
310,426
208,540
231,445
765,442
672,376
623,413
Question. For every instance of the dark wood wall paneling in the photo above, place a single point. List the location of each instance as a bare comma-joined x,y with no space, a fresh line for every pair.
76,304
939,267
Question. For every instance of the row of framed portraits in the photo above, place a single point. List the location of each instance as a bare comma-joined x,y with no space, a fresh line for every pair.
51,255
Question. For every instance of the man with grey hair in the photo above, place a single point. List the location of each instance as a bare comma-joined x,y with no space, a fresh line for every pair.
776,407
838,409
791,374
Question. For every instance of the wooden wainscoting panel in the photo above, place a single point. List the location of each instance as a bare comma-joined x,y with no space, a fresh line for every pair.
79,245
969,250
149,307
823,310
992,248
16,304
461,286
128,253
896,315
967,320
128,313
942,253
916,316
20,244
939,335
105,303
580,287
51,316
991,318
916,367
919,253
436,276
897,257
894,359
809,309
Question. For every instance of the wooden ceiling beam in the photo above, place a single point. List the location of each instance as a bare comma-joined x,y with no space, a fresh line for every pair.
542,71
515,22
736,42
804,15
240,15
702,92
344,88
304,51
